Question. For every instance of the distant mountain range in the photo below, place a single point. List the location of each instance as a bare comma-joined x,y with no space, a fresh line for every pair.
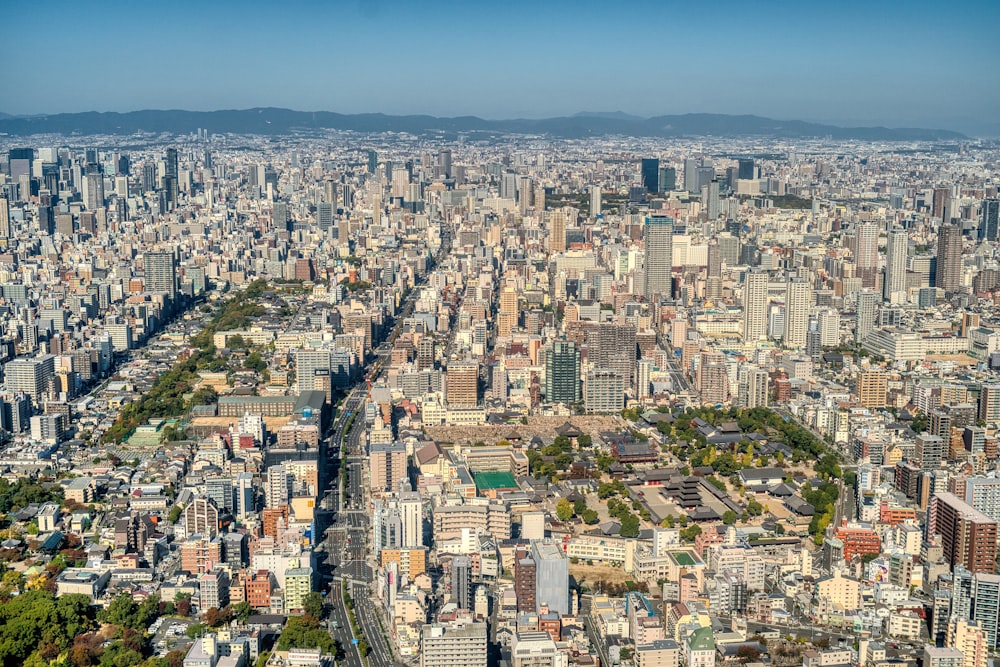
272,121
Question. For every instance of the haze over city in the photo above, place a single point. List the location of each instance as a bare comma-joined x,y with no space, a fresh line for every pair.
893,63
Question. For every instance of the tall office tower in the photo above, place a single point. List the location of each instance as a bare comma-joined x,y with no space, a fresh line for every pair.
161,273
557,235
324,216
651,174
411,511
425,352
508,186
747,169
895,264
798,303
31,376
95,191
4,218
969,638
968,537
729,246
949,258
713,281
453,645
710,199
310,366
551,576
613,347
754,306
444,163
989,224
462,384
387,463
595,201
705,175
278,487
372,162
643,378
939,202
508,314
867,306
989,403
691,175
148,177
658,234
866,253
279,214
461,582
668,179
170,163
870,387
562,372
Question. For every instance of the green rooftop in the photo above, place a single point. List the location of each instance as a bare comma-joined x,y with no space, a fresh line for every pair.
491,481
683,558
702,639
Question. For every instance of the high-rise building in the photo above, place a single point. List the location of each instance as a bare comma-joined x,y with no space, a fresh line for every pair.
668,179
989,403
95,191
651,174
867,310
31,376
311,366
4,218
201,516
753,387
461,582
595,201
411,514
829,328
562,372
551,576
604,391
525,574
170,163
968,537
658,234
969,638
870,387
747,169
949,258
798,304
989,224
713,280
453,645
387,465
895,263
462,384
161,273
983,493
866,253
754,305
557,236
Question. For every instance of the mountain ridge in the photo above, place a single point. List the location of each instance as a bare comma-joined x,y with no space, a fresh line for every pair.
278,121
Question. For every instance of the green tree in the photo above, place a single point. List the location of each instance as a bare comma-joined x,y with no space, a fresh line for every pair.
729,517
590,517
690,533
630,526
584,440
579,505
305,632
564,509
312,604
175,513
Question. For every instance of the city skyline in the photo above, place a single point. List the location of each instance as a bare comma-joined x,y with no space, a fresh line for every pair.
847,65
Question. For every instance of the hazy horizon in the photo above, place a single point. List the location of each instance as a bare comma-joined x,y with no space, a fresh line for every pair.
890,64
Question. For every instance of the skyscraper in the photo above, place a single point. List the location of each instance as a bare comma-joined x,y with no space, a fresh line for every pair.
949,258
161,273
658,236
747,169
867,304
668,179
895,263
691,175
557,236
170,163
989,224
562,372
754,306
713,281
866,253
798,303
651,174
595,200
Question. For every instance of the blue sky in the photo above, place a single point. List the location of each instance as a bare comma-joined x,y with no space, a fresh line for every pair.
877,62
